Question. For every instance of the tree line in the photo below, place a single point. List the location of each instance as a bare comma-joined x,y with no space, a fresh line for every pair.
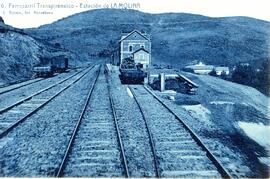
256,76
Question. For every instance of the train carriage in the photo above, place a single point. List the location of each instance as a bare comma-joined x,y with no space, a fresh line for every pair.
131,73
59,63
48,66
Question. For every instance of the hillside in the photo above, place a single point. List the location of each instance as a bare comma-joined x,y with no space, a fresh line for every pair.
233,116
20,52
177,38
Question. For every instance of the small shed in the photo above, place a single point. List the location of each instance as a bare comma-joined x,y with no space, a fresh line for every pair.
201,68
220,70
141,56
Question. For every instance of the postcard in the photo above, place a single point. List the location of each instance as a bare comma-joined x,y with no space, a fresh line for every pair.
133,88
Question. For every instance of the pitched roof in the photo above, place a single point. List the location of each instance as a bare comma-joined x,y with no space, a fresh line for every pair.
140,50
124,37
200,67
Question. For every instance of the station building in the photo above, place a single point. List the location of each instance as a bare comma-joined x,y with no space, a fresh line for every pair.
135,45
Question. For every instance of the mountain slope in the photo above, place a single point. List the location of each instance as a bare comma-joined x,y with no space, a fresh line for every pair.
177,38
19,52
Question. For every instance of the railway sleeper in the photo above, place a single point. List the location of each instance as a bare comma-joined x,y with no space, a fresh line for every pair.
182,158
96,128
15,111
195,164
192,174
12,116
94,169
101,109
100,142
97,147
96,152
38,100
95,160
101,134
181,142
183,152
97,163
191,145
29,105
95,117
173,139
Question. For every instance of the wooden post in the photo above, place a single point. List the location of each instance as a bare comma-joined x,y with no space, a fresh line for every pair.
146,79
162,81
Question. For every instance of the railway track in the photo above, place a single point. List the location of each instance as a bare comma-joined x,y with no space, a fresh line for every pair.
178,151
95,147
13,95
19,85
11,116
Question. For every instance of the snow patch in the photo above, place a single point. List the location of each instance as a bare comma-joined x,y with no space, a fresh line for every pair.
265,160
258,132
198,111
129,93
221,102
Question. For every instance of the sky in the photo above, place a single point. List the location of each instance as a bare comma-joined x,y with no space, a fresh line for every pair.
33,13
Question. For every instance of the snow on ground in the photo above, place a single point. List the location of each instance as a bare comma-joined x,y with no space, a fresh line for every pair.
198,111
129,93
258,132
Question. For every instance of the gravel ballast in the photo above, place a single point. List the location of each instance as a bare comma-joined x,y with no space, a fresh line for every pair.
178,153
13,96
96,151
133,131
36,147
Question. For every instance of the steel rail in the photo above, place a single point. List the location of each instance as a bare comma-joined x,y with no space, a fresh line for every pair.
151,141
15,124
37,93
224,173
74,133
117,129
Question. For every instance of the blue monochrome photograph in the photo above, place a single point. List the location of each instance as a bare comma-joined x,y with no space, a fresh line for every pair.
135,88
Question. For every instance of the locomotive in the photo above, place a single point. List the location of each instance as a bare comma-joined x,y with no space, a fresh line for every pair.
131,73
49,66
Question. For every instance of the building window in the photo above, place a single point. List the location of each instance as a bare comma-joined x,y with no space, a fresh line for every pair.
130,48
